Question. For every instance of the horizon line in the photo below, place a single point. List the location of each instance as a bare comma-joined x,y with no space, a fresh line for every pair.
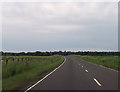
63,51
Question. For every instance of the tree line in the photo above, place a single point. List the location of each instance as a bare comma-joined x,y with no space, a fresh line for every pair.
39,53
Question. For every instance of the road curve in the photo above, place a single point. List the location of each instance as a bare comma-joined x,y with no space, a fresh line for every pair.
76,74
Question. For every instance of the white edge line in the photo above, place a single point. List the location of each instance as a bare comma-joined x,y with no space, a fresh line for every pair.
108,68
45,76
97,82
101,66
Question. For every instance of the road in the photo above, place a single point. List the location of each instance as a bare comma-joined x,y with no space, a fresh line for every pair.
76,74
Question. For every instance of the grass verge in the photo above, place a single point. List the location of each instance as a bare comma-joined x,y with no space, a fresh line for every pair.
16,73
107,61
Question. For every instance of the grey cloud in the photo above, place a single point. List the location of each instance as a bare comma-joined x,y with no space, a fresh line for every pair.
49,26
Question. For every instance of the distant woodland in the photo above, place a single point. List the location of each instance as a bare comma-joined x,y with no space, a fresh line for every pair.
39,53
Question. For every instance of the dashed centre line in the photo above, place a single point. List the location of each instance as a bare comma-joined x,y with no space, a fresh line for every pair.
86,70
82,66
97,82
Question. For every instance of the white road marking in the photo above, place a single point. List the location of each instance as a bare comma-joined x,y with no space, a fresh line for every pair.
79,64
86,70
101,66
108,68
82,66
45,77
97,82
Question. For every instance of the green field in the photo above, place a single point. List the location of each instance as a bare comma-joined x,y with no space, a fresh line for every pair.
18,72
107,61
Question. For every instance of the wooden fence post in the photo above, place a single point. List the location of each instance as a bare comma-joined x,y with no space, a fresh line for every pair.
22,59
13,59
6,62
18,59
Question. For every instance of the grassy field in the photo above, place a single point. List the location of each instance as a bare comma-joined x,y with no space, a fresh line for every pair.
108,61
16,72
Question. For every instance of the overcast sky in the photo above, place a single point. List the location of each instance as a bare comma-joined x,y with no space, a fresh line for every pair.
60,26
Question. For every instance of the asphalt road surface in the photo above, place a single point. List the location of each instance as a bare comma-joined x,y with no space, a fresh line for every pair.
76,74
